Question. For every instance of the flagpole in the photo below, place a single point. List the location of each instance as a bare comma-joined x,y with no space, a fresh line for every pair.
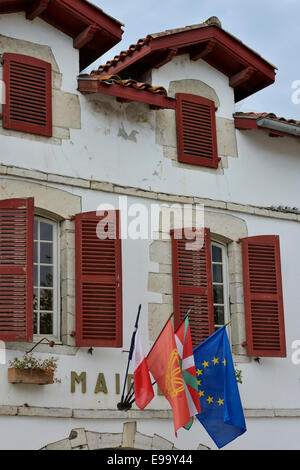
122,403
187,314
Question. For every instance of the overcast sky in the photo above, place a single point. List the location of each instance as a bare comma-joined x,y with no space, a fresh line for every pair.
270,27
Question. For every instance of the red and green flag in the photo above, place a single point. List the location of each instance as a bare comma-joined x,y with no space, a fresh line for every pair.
187,363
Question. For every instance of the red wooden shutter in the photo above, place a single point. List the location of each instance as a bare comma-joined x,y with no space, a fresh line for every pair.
196,130
192,285
263,296
28,105
98,282
16,269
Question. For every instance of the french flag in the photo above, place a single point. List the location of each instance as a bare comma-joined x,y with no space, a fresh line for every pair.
143,389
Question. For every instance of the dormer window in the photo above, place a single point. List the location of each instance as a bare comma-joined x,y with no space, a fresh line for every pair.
196,130
28,100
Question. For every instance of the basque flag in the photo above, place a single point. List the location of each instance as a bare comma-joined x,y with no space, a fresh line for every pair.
185,351
143,389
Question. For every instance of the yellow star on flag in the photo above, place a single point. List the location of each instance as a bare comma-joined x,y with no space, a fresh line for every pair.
224,362
210,399
215,361
199,382
205,364
201,393
220,401
199,372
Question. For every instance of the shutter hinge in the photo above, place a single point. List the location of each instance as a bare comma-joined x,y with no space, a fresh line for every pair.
244,344
73,333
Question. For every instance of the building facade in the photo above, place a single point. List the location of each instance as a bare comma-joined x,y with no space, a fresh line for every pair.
124,139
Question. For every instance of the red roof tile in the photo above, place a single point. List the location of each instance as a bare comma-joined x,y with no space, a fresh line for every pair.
115,79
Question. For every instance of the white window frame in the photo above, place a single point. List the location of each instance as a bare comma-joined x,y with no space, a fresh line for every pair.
225,283
56,281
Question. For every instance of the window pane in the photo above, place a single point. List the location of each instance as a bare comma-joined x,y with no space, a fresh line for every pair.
35,299
35,276
219,315
35,229
35,252
46,299
218,294
217,273
46,253
46,231
216,254
46,323
46,274
35,317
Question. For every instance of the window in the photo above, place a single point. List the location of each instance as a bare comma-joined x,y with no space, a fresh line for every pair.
46,278
28,100
220,284
196,130
192,284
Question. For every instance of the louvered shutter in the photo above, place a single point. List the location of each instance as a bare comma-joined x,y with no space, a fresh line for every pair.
192,284
28,104
265,335
98,282
16,269
196,130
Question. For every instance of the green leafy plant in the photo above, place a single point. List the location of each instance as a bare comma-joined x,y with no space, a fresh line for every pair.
29,361
238,374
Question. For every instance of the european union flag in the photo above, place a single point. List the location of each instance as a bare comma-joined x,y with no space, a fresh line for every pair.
221,409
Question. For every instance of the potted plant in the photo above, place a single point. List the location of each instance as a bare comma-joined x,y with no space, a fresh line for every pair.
32,370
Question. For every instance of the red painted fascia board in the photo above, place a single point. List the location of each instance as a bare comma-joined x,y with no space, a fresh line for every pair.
95,86
245,123
129,60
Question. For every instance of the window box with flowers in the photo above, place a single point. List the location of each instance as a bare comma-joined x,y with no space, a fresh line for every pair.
32,370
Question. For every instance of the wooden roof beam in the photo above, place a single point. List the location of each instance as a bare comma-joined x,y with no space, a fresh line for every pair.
168,57
36,8
86,36
241,77
200,53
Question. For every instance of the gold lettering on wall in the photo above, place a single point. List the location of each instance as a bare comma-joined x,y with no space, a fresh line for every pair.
78,379
129,381
100,384
117,380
